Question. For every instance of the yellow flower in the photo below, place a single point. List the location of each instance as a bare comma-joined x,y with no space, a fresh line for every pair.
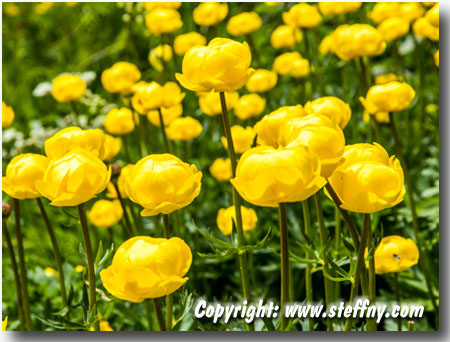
244,23
393,28
79,268
160,53
21,174
210,13
436,58
71,138
432,15
145,267
120,78
302,15
184,42
163,20
386,78
169,115
384,10
291,63
411,11
104,326
210,102
389,97
120,183
266,176
221,170
11,9
152,5
147,96
268,128
105,214
171,94
261,81
336,8
423,29
357,40
119,121
285,36
68,87
334,108
7,115
112,147
43,7
327,44
242,138
321,135
4,323
395,254
225,218
74,178
380,117
186,128
369,180
162,183
249,105
222,65
50,272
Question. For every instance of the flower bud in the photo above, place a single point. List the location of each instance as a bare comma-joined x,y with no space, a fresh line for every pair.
6,210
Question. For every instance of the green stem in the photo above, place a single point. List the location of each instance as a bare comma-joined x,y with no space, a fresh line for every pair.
338,242
308,271
89,262
185,151
365,80
169,299
371,322
137,132
149,314
284,250
22,268
128,225
76,120
163,132
159,314
16,275
397,298
253,49
56,252
125,147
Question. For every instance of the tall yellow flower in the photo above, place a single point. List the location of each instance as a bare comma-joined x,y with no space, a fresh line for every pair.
112,147
220,169
302,15
184,42
285,36
292,64
249,105
68,87
388,97
244,23
186,128
393,28
169,115
119,121
120,77
210,13
210,102
261,81
395,254
7,115
334,108
105,214
242,138
336,8
163,20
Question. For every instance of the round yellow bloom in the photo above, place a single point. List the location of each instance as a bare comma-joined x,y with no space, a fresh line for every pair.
120,77
285,36
210,102
389,97
71,138
266,176
147,97
168,114
145,267
160,53
163,20
119,121
249,106
21,174
291,63
326,46
302,15
225,218
105,214
186,128
386,78
242,138
393,28
321,135
74,178
112,193
357,40
184,42
423,29
436,58
432,15
171,94
112,147
210,13
162,183
244,23
368,181
334,108
261,81
268,128
336,8
222,65
411,11
395,254
152,5
384,10
220,169
68,87
7,115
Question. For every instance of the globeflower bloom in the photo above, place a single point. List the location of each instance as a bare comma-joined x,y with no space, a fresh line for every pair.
185,129
369,180
147,97
160,53
384,10
74,178
411,11
119,121
423,29
285,36
242,138
145,267
112,193
244,23
222,65
393,28
163,20
112,147
120,77
169,114
268,128
221,170
184,42
162,183
336,8
105,214
210,102
261,81
171,95
7,115
21,174
249,106
225,218
432,15
386,78
395,254
292,64
302,15
210,13
266,176
389,97
67,87
334,108
152,5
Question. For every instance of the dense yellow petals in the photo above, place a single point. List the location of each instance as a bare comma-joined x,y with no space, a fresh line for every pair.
163,20
120,78
285,36
112,147
395,254
105,214
184,42
119,121
210,13
242,138
185,129
261,81
244,23
302,15
210,102
68,87
388,97
220,169
249,105
334,108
